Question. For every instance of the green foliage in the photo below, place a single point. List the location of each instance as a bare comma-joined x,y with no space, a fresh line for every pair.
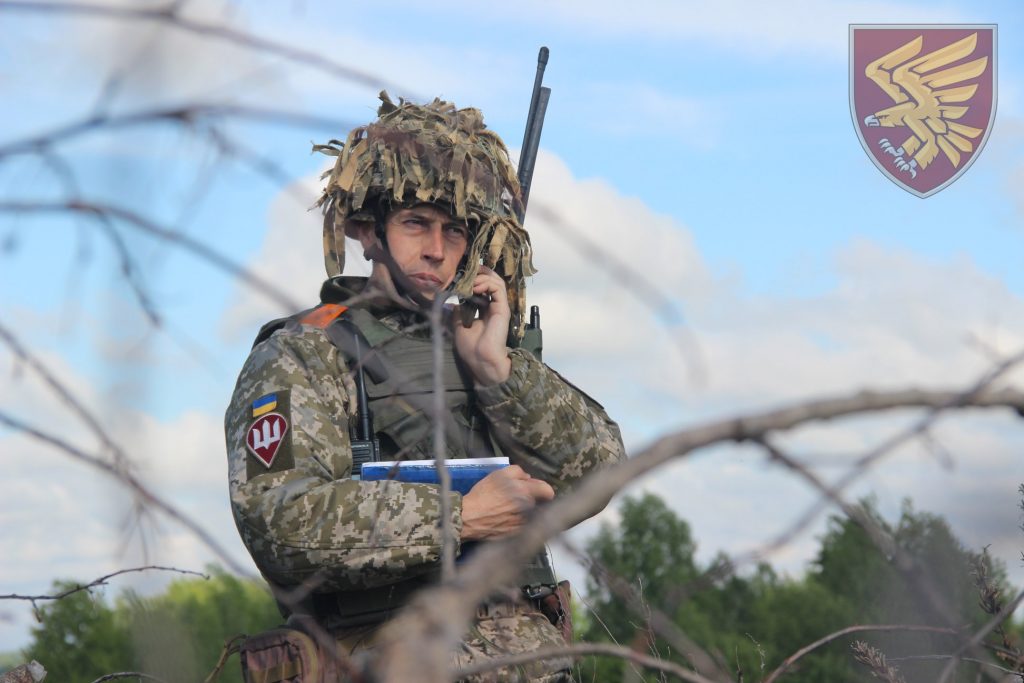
751,623
175,636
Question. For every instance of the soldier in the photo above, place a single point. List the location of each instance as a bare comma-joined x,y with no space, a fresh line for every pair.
430,194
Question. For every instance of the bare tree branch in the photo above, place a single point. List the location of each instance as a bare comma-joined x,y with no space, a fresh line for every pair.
169,15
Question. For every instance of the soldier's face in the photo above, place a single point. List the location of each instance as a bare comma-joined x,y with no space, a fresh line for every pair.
427,244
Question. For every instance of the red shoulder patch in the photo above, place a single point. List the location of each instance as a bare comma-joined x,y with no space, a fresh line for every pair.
265,437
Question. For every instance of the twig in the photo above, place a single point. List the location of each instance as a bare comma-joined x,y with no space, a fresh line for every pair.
581,650
63,393
102,581
807,649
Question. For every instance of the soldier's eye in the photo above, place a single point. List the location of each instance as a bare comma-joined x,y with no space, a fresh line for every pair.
457,231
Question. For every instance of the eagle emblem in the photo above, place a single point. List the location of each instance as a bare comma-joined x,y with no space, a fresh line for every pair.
923,99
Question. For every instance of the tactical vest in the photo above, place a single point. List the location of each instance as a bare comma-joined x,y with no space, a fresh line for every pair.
398,367
398,395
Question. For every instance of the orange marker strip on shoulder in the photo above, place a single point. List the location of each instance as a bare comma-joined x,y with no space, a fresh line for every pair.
323,315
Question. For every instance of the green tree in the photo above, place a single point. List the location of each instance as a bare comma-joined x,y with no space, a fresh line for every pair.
79,637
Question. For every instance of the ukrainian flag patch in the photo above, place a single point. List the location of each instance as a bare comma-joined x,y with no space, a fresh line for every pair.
264,405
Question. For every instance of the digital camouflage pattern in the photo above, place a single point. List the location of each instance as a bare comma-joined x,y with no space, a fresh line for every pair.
305,516
431,153
308,516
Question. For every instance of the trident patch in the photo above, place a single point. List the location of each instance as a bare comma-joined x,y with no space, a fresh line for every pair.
923,99
265,437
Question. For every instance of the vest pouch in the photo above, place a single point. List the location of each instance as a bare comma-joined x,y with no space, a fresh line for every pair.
283,655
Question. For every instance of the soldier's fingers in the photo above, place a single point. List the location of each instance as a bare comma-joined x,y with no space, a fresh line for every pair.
515,472
540,489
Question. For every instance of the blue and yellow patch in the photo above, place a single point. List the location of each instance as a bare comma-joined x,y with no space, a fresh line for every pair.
264,405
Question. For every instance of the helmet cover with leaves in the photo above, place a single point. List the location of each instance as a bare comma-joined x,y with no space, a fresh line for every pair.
431,153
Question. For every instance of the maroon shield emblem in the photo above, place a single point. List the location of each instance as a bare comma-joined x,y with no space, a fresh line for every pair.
923,99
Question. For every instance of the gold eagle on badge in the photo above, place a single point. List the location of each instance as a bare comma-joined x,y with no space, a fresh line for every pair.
927,98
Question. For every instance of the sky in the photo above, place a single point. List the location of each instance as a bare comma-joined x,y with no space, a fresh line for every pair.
707,148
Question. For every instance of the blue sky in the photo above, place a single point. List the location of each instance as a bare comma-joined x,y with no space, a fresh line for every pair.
710,146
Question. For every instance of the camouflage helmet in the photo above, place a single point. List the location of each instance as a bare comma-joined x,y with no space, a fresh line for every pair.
430,153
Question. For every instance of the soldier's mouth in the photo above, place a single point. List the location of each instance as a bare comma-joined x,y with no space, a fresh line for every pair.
426,280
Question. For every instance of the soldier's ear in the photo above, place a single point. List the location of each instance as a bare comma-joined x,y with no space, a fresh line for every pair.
361,231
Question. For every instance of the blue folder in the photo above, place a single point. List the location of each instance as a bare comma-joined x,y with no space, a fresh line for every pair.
464,472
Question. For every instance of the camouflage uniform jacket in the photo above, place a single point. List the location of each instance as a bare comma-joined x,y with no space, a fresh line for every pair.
303,516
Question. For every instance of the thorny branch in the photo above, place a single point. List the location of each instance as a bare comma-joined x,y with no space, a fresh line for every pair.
102,581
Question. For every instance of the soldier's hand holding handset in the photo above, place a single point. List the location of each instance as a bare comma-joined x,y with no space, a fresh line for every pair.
481,345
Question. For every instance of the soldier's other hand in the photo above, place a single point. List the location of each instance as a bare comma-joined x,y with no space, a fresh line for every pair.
481,346
499,503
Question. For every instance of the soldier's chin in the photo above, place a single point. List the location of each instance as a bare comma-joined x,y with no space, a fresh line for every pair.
426,288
